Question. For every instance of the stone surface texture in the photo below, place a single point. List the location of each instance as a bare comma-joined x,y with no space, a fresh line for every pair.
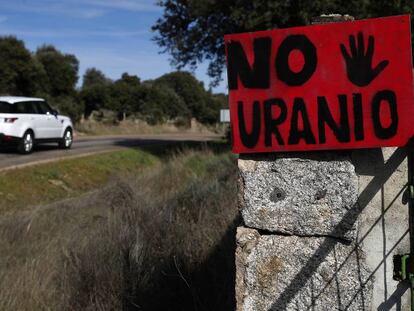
277,272
301,196
321,231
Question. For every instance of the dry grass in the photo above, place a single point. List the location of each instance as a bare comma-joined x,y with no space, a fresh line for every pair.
50,182
163,240
130,127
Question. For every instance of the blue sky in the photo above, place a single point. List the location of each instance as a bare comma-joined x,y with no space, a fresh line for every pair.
111,35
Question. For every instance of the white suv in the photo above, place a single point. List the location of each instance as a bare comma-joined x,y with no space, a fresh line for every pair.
26,121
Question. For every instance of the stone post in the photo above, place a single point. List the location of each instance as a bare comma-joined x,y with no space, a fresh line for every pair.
320,230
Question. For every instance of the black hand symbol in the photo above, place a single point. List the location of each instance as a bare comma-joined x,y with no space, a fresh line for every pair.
359,63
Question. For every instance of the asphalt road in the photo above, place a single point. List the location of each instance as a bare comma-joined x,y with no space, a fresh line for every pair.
90,145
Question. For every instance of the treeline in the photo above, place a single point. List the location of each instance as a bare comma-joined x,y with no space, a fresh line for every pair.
52,74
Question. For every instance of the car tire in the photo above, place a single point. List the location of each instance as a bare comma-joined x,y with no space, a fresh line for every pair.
67,140
26,143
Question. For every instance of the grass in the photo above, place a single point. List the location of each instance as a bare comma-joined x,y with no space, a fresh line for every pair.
129,127
159,240
46,183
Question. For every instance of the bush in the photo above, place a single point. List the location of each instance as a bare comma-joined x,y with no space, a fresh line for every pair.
69,106
129,246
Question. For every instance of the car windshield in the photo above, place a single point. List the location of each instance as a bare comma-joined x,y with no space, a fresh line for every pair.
5,107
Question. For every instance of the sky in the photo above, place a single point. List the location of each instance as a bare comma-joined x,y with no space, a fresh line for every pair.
111,35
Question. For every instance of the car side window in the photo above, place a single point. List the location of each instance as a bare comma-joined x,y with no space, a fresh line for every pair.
25,107
29,108
43,107
49,109
19,107
39,107
5,107
33,107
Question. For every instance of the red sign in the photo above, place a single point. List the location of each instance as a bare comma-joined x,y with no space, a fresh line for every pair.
333,86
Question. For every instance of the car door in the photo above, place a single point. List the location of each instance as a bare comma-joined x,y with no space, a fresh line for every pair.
48,123
55,123
41,121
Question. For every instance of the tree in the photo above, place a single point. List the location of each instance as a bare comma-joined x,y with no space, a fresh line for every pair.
127,95
93,77
95,92
192,31
186,86
222,99
20,73
61,70
70,106
163,103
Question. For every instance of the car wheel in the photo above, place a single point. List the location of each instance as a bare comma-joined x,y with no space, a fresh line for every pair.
67,139
26,143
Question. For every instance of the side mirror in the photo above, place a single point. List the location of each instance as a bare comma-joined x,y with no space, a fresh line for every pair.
55,112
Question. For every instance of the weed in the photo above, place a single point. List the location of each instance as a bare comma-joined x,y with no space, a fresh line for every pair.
160,240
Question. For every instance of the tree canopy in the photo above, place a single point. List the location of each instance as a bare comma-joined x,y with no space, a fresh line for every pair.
126,95
21,73
192,31
163,103
93,77
188,88
95,91
174,96
61,70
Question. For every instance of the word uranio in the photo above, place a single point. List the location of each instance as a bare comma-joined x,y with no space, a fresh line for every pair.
300,123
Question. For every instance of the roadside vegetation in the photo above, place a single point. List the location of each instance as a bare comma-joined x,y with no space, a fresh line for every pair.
135,126
175,98
160,238
45,183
